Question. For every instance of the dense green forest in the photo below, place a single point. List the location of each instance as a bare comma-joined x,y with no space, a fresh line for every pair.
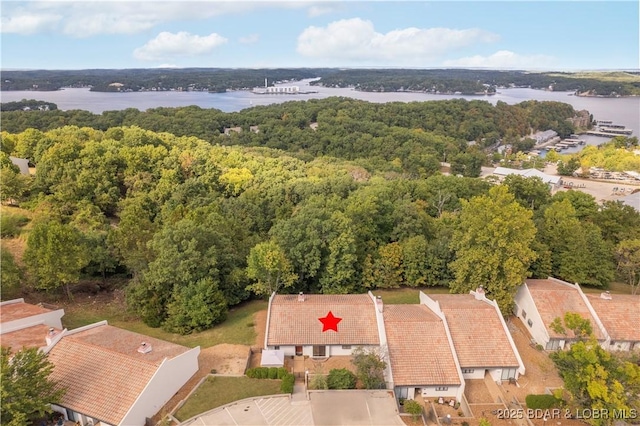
207,79
463,81
470,82
200,227
410,138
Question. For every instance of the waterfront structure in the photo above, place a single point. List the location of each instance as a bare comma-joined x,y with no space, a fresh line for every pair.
554,182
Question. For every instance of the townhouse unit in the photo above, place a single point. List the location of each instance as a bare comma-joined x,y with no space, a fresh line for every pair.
111,376
613,317
430,348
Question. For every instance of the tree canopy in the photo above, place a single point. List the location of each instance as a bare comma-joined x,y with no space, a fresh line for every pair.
26,389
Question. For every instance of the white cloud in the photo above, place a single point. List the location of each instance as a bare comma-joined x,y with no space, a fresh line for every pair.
323,9
250,39
88,18
357,39
29,23
503,59
169,45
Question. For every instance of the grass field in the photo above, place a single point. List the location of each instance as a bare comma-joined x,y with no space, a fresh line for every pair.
603,76
404,296
217,391
237,329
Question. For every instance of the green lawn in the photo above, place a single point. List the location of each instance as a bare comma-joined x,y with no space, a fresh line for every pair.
403,296
614,287
237,329
217,391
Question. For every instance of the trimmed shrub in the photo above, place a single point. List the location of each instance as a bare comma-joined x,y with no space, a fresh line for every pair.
258,373
282,372
273,372
541,401
287,383
341,378
412,407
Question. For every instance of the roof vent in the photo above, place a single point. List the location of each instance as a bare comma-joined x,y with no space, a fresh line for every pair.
144,348
379,304
301,297
50,335
606,295
480,293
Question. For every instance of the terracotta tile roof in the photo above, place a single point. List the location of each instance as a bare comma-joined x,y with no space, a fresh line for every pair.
476,331
419,350
30,337
102,371
553,300
620,315
296,323
15,311
127,342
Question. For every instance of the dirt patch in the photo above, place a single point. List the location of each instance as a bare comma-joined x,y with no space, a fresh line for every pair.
476,392
541,372
260,326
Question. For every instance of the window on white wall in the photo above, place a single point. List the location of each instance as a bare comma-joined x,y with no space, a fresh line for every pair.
276,348
346,346
530,323
467,370
442,388
524,314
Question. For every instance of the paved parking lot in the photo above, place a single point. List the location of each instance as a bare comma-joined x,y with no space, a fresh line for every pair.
324,408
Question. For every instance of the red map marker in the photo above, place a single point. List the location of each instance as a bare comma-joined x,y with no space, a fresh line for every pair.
330,322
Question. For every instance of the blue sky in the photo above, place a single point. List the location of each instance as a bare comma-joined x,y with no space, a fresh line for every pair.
547,35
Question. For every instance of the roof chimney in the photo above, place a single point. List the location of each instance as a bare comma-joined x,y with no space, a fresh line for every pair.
606,295
50,335
480,293
301,297
144,348
379,304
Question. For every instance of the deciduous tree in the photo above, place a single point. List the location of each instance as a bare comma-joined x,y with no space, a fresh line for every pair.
55,255
26,388
493,246
268,266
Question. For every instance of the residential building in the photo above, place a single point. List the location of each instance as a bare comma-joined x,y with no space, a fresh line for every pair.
480,335
421,354
115,377
111,376
294,324
24,325
554,182
620,315
539,302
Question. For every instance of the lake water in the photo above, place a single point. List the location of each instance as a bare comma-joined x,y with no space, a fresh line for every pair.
624,111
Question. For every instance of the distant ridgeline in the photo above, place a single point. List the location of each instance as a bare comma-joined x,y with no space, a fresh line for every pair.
134,80
446,81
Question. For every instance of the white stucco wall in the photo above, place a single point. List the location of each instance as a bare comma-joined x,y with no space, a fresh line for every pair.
168,379
83,419
619,345
330,350
451,392
478,373
51,319
537,330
